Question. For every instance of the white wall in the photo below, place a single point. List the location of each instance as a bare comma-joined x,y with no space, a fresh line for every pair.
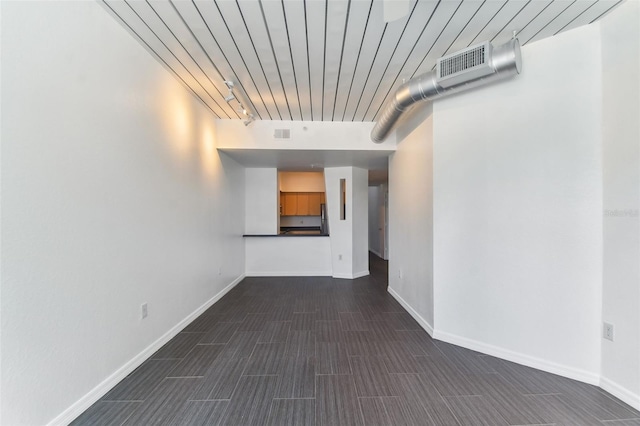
349,237
360,219
621,197
300,221
517,210
288,256
301,181
312,135
113,194
262,200
411,217
374,233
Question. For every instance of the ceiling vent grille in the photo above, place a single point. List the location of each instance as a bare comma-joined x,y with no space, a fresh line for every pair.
282,133
470,63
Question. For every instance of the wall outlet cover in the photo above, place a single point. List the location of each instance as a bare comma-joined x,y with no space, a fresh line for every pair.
607,331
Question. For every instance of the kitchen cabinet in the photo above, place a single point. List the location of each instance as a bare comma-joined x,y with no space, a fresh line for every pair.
315,199
301,203
290,207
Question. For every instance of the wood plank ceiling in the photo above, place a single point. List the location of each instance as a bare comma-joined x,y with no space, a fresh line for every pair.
326,60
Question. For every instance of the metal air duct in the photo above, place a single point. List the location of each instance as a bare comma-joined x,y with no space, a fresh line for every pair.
469,68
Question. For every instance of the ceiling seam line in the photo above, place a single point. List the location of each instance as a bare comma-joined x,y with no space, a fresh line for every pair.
606,11
324,55
556,17
437,38
579,15
188,53
176,58
488,22
293,65
255,85
207,53
306,32
408,56
463,28
275,59
510,21
355,112
258,57
355,67
535,17
390,59
160,58
344,38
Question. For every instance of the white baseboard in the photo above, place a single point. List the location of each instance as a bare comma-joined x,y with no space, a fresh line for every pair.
288,274
376,252
351,276
361,274
71,413
519,358
416,316
622,393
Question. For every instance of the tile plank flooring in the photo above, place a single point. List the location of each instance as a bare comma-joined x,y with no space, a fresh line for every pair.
318,351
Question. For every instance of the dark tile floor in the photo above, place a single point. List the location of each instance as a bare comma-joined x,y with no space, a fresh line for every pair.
305,351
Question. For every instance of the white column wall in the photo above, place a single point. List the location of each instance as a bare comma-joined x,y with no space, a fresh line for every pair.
349,237
262,200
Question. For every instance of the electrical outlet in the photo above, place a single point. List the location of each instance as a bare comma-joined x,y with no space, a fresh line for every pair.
220,270
400,273
144,311
339,257
607,331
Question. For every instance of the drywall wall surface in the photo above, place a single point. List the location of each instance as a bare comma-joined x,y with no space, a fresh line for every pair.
374,219
411,216
300,221
262,200
288,256
311,135
360,219
301,181
517,210
621,197
113,195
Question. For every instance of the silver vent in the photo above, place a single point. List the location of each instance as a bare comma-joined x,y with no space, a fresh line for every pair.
472,62
282,133
464,70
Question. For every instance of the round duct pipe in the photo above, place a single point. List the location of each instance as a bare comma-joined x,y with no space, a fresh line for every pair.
488,64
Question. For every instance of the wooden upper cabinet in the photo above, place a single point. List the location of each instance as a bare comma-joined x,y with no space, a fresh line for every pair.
301,203
290,205
315,198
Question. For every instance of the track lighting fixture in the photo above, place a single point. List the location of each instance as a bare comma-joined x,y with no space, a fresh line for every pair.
241,108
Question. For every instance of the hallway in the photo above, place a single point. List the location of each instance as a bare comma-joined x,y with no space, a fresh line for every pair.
314,350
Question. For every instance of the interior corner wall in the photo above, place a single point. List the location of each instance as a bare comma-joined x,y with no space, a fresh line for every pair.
411,217
262,200
518,211
360,219
621,199
113,195
374,219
